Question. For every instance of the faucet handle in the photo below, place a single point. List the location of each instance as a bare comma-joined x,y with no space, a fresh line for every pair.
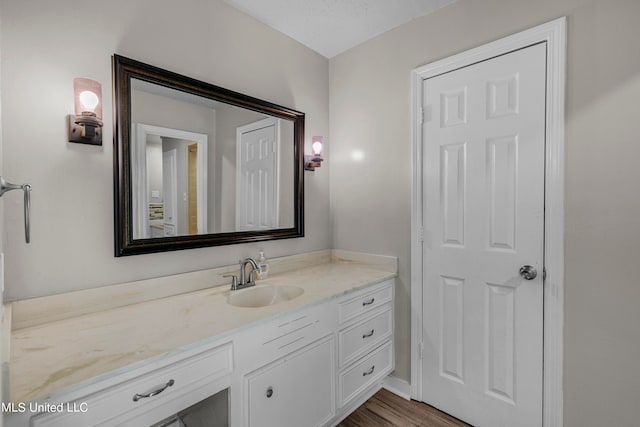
234,280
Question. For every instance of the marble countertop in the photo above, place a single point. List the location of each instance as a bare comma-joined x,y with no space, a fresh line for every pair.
49,357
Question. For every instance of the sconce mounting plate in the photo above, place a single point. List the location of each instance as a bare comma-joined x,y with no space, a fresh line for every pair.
311,162
83,133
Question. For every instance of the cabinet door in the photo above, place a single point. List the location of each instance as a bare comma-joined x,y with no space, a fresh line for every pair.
297,390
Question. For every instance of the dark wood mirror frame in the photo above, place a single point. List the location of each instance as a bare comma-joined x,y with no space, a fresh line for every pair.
124,70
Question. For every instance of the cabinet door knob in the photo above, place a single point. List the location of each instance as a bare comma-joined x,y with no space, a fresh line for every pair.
269,392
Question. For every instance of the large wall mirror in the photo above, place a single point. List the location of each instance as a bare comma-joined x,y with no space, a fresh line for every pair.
197,165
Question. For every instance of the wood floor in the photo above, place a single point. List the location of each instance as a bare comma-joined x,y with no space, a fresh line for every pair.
387,409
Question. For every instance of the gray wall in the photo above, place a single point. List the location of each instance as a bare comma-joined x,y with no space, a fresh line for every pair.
2,204
45,45
2,199
286,213
369,111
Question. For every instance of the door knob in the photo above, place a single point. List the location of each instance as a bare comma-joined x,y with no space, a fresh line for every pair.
527,272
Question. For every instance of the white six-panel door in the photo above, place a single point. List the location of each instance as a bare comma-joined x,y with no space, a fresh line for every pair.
257,175
483,181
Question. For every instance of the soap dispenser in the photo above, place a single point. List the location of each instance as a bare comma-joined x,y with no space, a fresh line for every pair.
263,266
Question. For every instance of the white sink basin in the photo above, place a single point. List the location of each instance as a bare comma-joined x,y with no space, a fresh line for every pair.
263,295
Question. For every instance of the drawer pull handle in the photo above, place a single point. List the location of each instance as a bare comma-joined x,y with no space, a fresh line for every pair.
368,335
365,303
370,371
137,396
269,392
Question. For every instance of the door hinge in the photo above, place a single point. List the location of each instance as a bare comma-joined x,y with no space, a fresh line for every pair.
421,234
421,351
544,274
425,114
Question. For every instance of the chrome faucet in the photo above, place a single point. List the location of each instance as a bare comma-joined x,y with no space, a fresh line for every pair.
244,283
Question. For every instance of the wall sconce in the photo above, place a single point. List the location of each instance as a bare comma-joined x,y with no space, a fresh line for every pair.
313,161
86,126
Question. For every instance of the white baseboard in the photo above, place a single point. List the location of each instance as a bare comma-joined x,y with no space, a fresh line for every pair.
397,386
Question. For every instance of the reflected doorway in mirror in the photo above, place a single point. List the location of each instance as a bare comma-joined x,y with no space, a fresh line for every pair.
161,183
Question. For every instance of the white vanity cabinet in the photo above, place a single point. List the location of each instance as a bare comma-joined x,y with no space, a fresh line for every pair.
143,396
365,341
306,367
286,370
310,368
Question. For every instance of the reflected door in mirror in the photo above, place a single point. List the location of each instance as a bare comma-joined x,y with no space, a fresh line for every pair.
257,178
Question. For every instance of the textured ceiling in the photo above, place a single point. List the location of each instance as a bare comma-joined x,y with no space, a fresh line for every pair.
332,26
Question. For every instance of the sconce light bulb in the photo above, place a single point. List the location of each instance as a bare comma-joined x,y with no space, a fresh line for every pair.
316,147
89,100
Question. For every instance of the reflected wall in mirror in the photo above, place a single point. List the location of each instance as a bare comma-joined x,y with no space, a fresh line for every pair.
198,165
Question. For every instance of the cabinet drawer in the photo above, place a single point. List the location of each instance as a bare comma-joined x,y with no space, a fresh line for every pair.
365,301
183,383
357,339
365,373
284,335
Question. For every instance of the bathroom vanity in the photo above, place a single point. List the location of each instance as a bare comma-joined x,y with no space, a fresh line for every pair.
307,360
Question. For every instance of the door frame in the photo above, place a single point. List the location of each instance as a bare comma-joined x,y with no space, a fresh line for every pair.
554,34
172,157
139,178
